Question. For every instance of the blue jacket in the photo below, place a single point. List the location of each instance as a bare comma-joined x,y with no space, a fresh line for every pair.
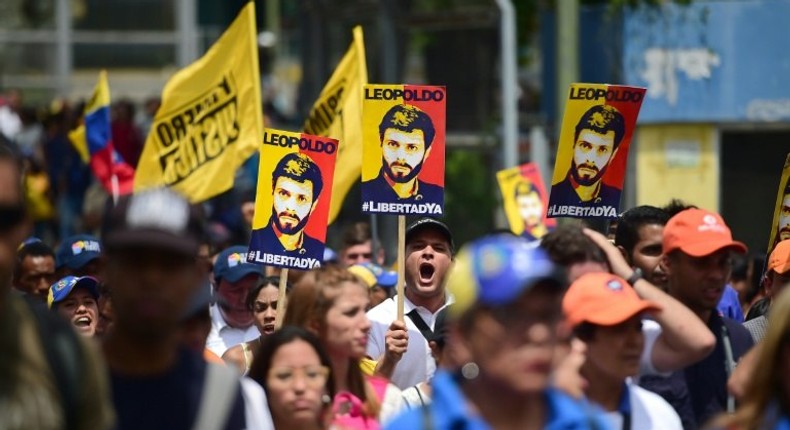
448,411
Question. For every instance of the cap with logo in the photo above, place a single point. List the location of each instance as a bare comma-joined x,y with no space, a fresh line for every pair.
373,274
231,264
779,260
698,233
496,270
61,289
603,299
156,217
77,251
430,224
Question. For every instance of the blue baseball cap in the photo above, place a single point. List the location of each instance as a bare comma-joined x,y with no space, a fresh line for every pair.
496,270
374,274
61,289
77,251
231,264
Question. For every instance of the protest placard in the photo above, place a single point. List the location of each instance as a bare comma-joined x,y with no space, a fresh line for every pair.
597,126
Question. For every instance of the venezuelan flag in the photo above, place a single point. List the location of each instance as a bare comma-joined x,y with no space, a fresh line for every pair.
93,140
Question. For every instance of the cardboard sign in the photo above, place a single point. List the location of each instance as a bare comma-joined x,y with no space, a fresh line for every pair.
403,130
593,150
292,203
524,199
780,227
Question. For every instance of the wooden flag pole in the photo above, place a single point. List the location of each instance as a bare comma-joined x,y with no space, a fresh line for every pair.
401,264
281,298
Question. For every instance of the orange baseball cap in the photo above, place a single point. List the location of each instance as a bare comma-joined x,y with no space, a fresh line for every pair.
779,260
698,233
604,299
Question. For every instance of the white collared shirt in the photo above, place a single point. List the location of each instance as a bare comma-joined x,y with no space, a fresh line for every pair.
417,364
223,336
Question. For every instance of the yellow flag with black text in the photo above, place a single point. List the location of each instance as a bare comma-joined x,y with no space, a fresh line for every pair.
210,120
338,114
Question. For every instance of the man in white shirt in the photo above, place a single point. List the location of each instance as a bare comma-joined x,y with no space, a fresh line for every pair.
231,319
402,350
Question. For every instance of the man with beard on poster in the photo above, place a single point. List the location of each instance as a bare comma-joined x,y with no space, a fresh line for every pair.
783,227
406,134
530,210
598,134
296,187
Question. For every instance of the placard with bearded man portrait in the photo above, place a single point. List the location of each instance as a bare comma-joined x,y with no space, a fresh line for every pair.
593,150
292,201
403,149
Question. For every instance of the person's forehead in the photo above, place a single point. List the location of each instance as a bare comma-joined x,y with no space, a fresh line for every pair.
596,138
530,196
650,231
293,185
414,136
364,246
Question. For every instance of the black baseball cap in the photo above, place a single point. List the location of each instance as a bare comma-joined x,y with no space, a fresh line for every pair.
156,217
428,223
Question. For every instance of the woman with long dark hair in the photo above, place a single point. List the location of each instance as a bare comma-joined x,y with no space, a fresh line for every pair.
295,371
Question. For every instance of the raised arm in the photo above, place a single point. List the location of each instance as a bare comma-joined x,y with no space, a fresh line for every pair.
684,338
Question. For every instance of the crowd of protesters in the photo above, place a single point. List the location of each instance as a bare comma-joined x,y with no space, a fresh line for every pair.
142,319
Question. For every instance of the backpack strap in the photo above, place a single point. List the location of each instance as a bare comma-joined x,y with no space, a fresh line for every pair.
219,392
422,326
64,355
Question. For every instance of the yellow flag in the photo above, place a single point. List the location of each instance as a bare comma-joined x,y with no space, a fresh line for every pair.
210,121
338,114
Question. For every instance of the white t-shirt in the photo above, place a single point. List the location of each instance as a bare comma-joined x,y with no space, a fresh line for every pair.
651,330
417,364
223,336
649,411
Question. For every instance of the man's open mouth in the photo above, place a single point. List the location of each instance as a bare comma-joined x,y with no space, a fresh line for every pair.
426,272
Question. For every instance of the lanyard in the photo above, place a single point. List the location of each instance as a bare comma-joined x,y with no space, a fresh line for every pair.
729,363
625,407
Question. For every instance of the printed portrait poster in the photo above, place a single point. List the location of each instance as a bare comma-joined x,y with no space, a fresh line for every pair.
592,152
780,227
403,149
525,200
292,201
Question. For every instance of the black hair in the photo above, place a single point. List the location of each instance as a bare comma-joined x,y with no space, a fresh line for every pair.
408,118
263,282
33,249
602,119
300,168
676,206
630,221
262,363
567,244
